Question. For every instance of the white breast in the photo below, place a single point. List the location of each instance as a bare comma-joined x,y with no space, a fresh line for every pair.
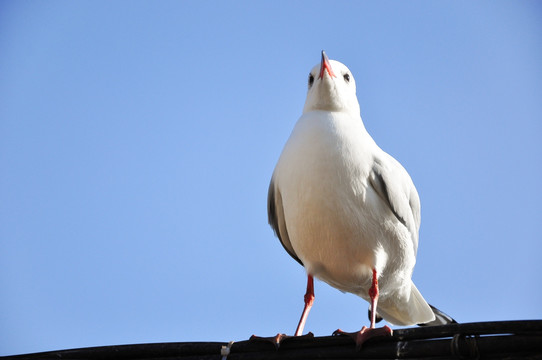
337,224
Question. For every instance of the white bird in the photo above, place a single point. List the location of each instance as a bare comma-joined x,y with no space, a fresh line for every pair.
345,209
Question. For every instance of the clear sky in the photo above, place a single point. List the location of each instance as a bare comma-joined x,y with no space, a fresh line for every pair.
137,140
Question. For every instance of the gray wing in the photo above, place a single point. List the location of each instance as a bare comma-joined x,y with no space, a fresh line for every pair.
276,219
393,184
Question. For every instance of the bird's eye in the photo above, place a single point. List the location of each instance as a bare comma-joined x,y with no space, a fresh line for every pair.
311,80
346,77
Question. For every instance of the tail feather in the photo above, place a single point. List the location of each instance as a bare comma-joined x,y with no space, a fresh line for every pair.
441,318
412,311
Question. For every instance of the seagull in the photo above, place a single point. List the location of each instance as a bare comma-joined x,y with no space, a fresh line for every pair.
347,211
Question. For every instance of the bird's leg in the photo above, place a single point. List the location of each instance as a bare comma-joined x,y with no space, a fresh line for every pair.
373,294
366,333
309,299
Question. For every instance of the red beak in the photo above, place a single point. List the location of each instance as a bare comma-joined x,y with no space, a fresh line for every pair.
325,65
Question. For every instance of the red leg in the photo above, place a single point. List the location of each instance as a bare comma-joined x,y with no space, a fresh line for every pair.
366,333
373,294
309,299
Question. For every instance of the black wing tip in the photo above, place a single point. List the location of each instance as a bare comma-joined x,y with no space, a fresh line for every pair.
441,318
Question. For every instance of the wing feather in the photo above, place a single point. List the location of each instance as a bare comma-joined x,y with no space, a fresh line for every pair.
394,185
276,219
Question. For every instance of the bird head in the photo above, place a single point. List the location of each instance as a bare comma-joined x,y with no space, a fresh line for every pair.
331,87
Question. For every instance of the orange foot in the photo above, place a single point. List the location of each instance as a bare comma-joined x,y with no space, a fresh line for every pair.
365,334
277,339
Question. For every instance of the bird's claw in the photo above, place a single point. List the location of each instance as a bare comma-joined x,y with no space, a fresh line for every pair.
365,334
277,339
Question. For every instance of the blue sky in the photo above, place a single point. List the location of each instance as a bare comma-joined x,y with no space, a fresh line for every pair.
137,140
